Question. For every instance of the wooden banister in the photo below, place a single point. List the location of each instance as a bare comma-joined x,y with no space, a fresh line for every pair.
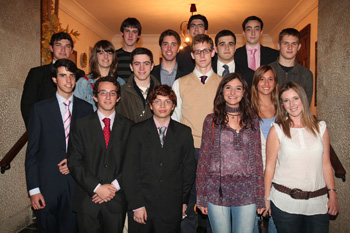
339,170
6,161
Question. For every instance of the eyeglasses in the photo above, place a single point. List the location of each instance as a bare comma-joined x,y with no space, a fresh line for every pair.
166,102
197,25
205,51
104,93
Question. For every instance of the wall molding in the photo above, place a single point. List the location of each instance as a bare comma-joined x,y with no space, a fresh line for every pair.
78,12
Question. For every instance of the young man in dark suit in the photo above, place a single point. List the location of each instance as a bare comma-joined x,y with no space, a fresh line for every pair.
159,168
49,183
39,85
95,158
253,54
223,62
168,70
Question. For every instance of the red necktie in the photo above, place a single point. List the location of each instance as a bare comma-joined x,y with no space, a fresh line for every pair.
203,78
107,130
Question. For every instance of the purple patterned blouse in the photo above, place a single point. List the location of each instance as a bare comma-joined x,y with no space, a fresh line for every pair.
233,161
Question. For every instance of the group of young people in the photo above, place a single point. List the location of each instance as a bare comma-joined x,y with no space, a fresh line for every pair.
168,144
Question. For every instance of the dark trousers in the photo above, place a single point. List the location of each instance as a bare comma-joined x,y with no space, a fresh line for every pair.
188,224
298,223
104,222
57,216
154,225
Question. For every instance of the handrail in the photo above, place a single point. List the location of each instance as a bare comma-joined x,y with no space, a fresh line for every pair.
339,170
6,161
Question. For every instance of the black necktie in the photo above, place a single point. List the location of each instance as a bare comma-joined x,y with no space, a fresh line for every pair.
226,71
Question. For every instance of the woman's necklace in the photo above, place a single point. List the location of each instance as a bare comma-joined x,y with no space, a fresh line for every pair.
232,112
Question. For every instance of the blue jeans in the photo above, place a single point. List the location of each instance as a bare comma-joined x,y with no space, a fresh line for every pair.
271,227
296,223
233,219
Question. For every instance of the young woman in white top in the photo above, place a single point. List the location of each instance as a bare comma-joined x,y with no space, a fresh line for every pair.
264,98
298,165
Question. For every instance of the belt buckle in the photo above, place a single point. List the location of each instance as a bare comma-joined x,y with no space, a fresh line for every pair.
295,192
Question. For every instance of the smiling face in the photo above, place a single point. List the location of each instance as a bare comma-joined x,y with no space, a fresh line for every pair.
61,49
226,49
65,82
292,103
252,32
142,67
130,36
202,54
104,59
106,98
233,93
162,107
289,47
266,83
169,48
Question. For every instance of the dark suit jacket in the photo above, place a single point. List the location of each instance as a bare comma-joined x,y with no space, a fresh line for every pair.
38,86
245,71
156,73
185,61
90,163
267,55
159,178
47,146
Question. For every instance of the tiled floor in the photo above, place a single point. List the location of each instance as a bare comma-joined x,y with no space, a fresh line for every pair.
30,229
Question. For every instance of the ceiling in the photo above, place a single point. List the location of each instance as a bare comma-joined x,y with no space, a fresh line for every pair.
158,15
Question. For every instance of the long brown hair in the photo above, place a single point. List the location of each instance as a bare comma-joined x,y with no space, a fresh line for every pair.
107,47
247,113
282,118
255,93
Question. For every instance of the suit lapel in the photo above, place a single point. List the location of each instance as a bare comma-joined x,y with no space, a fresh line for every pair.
96,127
152,132
170,138
56,117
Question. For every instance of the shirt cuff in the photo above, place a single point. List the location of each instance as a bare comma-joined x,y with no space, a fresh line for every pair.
34,191
116,184
138,208
97,187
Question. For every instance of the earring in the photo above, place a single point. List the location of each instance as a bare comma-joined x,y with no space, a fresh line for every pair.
286,115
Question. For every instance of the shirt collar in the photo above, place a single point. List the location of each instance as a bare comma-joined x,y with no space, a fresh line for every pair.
62,99
199,74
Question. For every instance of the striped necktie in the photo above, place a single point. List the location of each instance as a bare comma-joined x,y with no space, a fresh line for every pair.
67,120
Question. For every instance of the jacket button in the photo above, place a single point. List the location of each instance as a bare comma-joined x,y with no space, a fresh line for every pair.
161,164
161,181
106,165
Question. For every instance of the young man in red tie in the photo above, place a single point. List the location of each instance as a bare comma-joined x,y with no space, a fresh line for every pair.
95,158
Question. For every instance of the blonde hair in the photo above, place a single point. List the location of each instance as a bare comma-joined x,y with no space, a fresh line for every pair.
308,120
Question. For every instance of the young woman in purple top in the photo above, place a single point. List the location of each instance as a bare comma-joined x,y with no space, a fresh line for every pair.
264,97
229,178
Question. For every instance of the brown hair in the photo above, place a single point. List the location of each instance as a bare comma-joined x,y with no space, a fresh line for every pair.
201,38
247,113
163,90
103,45
282,119
255,93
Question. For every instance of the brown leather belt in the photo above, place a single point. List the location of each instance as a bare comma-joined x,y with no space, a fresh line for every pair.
300,194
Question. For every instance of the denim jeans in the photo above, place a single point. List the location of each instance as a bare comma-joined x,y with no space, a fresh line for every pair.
272,226
233,219
296,223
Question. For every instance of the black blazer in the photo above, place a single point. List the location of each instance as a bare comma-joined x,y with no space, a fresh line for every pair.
90,163
159,178
38,86
267,55
245,71
47,146
185,61
156,73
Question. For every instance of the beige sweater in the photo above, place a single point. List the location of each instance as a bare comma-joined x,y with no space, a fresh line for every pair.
197,102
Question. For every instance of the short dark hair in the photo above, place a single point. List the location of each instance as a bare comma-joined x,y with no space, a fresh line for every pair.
224,33
68,64
110,79
201,38
131,22
250,18
163,90
201,17
289,32
140,51
61,36
169,32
